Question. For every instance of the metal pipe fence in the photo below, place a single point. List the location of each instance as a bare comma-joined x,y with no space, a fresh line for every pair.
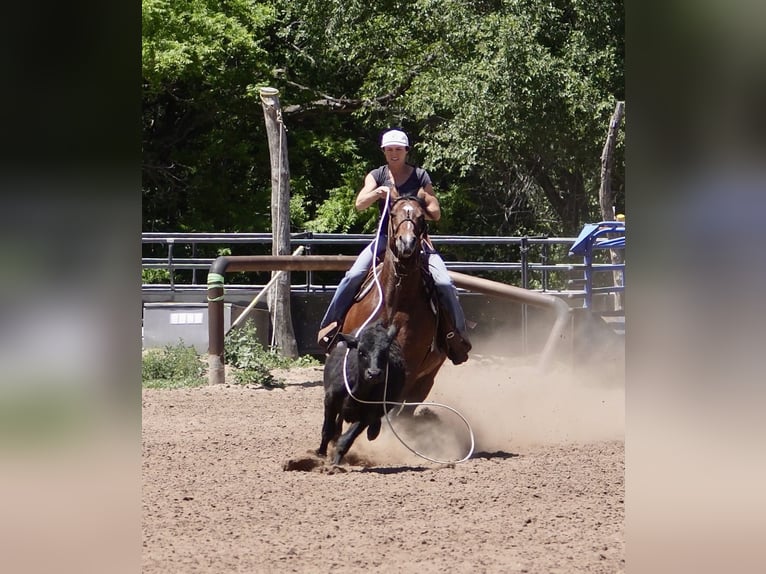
540,263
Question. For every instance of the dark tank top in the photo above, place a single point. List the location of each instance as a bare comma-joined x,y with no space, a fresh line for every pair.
418,178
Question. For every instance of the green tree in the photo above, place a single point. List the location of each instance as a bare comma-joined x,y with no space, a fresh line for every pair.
507,102
202,62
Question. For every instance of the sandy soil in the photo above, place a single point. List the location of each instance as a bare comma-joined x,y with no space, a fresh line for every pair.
230,482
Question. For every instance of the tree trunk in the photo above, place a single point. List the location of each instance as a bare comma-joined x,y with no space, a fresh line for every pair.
283,337
606,195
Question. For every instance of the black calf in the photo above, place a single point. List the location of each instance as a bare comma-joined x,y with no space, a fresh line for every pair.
371,358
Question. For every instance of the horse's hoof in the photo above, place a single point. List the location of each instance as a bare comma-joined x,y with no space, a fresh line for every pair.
336,469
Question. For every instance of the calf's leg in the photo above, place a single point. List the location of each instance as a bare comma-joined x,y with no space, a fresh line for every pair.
374,429
332,424
346,440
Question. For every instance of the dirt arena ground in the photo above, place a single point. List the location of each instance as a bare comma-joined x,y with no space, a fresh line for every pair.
230,483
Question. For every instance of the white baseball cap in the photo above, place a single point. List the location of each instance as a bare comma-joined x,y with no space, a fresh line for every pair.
395,137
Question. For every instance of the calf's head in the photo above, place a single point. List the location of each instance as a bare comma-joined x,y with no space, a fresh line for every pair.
372,348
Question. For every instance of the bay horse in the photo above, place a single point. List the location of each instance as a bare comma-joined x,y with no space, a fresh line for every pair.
406,299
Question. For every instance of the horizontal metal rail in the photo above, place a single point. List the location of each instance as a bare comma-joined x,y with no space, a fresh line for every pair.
525,265
541,268
556,336
205,263
325,238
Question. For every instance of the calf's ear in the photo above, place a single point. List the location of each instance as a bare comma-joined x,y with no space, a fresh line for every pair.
392,331
349,339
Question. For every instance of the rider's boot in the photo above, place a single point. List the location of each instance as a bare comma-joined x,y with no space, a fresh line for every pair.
327,335
454,323
458,346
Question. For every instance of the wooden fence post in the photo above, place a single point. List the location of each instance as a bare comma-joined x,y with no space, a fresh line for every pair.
279,295
606,195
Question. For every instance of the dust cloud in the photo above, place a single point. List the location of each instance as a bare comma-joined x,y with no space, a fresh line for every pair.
510,405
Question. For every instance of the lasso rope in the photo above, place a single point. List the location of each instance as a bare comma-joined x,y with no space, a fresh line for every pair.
384,402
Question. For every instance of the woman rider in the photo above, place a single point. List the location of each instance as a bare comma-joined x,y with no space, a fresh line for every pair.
408,180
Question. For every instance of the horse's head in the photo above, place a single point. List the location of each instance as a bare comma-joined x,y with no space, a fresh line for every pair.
407,224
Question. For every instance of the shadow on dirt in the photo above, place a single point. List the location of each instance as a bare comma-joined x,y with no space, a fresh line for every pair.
307,384
395,469
497,454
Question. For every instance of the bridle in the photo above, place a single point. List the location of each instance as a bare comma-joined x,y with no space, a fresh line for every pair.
402,266
418,225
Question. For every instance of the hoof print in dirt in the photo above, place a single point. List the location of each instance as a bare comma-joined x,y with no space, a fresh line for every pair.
302,464
335,469
426,414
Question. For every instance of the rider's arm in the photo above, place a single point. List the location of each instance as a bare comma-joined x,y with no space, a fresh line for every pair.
433,210
370,193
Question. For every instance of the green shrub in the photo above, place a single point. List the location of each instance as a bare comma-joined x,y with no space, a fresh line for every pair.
252,362
257,375
154,276
171,367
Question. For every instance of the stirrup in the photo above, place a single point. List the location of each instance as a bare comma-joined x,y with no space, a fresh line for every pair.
327,335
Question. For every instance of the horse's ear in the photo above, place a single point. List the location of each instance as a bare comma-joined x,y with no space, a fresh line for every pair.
351,341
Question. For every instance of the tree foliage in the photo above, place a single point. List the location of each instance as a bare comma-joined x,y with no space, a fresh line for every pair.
201,62
507,103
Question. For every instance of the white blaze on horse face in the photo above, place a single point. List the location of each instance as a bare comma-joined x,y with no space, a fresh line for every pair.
406,241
